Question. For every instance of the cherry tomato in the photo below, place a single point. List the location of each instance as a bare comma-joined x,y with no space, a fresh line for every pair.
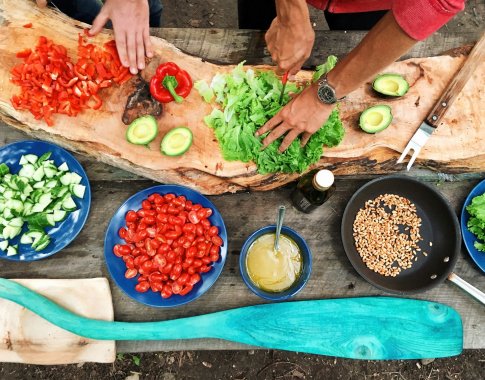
130,273
186,290
193,218
166,269
116,250
183,278
213,231
191,270
169,197
123,233
159,260
125,250
214,257
149,220
155,277
201,214
176,288
199,230
196,207
205,268
194,279
146,205
131,216
188,205
205,223
142,286
217,241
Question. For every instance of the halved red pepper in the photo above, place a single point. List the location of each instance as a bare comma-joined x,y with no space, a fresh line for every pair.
170,83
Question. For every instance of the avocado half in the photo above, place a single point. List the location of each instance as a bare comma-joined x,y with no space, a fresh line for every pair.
142,130
375,119
390,85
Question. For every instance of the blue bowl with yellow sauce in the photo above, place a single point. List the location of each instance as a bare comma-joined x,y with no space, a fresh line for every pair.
301,279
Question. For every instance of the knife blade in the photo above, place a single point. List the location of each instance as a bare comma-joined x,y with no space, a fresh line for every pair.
284,79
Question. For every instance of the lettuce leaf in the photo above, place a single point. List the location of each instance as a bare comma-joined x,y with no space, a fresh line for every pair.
247,100
476,223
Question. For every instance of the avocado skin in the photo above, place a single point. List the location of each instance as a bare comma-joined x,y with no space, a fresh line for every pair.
386,112
398,78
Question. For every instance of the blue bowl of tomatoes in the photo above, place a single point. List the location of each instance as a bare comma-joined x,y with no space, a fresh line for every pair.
166,246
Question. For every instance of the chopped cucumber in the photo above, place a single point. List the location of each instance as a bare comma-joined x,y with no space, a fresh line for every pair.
68,204
26,239
3,245
41,195
12,250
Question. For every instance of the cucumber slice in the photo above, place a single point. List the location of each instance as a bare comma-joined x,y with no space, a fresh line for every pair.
50,171
59,215
43,242
66,179
51,184
177,141
27,171
10,232
38,240
43,158
23,160
68,204
38,174
63,167
4,169
15,205
75,178
26,239
31,158
39,185
78,190
12,250
16,222
35,235
3,245
142,130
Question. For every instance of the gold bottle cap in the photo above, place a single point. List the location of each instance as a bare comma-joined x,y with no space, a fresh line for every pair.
323,180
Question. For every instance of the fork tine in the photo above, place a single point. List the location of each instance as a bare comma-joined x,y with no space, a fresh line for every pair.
404,153
413,157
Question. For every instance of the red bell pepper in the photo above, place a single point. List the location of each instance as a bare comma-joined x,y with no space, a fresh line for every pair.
170,83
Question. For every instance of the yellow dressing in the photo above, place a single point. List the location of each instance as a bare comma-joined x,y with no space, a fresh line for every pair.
273,271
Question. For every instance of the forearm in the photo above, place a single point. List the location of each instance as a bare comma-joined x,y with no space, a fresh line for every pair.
383,45
292,11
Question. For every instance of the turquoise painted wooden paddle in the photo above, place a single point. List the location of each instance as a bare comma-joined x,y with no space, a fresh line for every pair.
359,328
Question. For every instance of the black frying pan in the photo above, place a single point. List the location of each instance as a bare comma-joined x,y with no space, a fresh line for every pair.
439,226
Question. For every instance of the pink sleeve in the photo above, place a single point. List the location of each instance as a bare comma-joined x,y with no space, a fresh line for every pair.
421,18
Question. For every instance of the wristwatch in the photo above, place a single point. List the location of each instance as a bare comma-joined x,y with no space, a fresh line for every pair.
326,93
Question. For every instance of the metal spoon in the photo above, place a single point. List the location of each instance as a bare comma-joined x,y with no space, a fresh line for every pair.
279,224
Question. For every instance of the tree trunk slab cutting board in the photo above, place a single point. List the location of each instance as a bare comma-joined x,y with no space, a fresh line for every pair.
28,338
457,146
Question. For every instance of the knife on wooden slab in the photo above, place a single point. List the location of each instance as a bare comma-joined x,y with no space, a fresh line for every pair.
435,117
358,328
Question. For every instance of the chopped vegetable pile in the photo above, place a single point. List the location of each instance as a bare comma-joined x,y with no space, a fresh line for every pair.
50,83
170,242
248,100
39,195
476,223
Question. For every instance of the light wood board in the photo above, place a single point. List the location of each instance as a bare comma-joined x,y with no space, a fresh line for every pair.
28,338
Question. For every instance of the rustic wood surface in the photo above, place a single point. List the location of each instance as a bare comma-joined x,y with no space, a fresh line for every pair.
332,274
457,146
28,338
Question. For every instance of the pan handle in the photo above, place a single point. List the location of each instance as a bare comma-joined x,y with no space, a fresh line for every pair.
470,289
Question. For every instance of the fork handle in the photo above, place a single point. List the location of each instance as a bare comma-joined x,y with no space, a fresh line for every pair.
477,56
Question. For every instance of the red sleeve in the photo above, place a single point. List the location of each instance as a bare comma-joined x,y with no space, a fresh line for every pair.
421,18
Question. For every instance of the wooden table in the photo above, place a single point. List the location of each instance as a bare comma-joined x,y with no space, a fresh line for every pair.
332,275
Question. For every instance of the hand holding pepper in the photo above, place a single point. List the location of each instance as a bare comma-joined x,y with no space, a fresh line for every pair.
170,83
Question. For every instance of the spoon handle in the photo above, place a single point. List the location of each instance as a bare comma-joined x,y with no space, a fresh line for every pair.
279,224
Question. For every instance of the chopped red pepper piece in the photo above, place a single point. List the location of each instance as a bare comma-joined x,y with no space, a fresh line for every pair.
170,83
50,83
29,25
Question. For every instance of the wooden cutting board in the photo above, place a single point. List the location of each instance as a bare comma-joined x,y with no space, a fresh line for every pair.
28,338
457,146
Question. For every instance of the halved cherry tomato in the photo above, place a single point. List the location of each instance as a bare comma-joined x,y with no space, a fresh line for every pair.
130,273
142,286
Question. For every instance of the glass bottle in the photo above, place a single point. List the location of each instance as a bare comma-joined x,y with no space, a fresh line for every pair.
313,190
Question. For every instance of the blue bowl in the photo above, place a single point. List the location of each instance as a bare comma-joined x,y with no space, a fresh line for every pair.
304,275
468,237
116,265
62,233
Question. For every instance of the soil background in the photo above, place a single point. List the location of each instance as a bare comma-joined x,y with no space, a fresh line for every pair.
260,364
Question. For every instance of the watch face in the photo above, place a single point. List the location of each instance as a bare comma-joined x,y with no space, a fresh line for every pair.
326,94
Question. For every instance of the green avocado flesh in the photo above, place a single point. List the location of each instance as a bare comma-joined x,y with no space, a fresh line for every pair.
390,85
142,130
375,119
176,142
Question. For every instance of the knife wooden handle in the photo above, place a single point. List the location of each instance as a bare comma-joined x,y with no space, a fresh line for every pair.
476,57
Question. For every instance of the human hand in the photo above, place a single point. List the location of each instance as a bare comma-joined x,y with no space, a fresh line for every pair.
41,3
290,44
130,20
304,115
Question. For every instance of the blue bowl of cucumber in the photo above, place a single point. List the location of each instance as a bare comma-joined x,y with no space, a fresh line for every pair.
44,200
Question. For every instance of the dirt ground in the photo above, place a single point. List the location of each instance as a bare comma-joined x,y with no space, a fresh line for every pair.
260,364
